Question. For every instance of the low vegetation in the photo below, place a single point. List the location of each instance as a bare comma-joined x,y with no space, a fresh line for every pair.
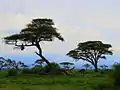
37,78
25,80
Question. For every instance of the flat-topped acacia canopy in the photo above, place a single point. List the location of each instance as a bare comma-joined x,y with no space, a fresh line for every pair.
91,51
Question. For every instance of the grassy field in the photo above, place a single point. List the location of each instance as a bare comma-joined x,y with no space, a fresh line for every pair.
78,81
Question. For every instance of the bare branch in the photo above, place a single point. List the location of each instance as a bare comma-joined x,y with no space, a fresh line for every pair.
37,53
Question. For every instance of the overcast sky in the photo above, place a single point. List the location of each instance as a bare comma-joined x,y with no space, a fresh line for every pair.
77,21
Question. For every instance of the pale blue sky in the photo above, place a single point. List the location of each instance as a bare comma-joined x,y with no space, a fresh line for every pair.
77,20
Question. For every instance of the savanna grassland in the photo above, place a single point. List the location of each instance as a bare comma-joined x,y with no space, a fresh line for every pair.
89,80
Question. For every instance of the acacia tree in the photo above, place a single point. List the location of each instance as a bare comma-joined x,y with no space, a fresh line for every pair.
2,64
12,64
91,51
35,32
17,64
66,65
40,62
8,63
103,67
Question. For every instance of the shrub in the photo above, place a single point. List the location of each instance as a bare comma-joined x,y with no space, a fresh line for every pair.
26,71
116,73
36,69
12,72
55,65
54,68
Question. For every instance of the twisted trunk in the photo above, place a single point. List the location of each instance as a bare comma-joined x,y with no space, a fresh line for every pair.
40,54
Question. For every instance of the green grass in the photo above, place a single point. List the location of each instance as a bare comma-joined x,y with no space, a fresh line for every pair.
87,81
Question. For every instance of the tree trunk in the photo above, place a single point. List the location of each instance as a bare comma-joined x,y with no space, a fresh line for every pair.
45,60
40,54
96,67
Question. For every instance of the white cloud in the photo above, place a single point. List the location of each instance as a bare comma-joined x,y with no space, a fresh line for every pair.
76,20
12,21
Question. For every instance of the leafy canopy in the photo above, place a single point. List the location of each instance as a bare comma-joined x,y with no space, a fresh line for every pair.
91,51
36,31
66,63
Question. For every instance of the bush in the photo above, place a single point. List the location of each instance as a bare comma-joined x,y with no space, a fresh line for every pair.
55,65
36,69
12,72
54,68
116,73
26,71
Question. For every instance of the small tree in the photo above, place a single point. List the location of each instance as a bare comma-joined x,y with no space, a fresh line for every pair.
18,64
35,32
8,63
24,66
2,64
12,64
1,58
86,66
103,67
91,51
67,65
40,62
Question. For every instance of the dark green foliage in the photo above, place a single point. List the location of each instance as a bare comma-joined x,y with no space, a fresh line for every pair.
12,72
39,62
116,64
54,65
38,30
91,51
67,65
54,68
26,71
116,73
37,70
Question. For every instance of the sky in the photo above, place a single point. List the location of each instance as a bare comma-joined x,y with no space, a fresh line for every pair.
76,20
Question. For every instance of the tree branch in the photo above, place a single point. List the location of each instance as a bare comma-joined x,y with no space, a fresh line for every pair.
37,53
86,59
